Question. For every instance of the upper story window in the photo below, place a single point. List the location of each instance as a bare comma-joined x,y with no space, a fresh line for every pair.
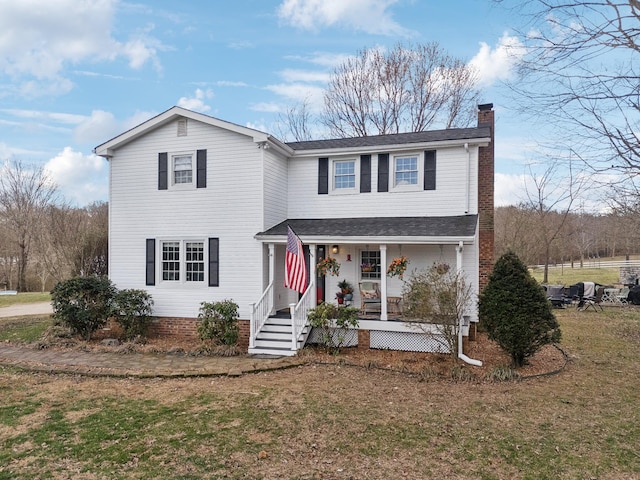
182,169
405,171
344,174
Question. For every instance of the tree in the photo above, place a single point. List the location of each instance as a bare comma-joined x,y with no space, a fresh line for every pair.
296,122
580,75
515,311
24,195
435,301
550,201
408,88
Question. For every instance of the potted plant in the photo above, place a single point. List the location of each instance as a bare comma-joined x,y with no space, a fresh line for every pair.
329,266
367,267
398,266
346,289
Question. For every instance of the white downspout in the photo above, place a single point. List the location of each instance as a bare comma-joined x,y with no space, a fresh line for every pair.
462,356
468,179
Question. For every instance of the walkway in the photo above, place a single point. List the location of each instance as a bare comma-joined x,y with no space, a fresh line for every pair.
142,365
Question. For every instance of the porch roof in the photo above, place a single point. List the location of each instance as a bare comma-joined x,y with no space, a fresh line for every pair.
377,229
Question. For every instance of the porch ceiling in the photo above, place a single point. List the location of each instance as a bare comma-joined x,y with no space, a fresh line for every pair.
373,229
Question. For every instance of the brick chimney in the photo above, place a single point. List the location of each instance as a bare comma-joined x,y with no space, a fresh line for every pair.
485,195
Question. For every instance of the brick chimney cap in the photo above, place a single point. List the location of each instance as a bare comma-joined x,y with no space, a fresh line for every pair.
485,106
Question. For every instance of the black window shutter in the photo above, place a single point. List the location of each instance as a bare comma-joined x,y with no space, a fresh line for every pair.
162,171
383,172
323,176
214,262
430,170
365,173
151,262
201,169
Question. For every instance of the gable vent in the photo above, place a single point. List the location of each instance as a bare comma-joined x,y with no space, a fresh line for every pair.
182,127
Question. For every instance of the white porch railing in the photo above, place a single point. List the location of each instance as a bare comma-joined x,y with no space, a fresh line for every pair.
299,316
259,313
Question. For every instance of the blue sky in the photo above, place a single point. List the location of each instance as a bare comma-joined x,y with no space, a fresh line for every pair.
75,73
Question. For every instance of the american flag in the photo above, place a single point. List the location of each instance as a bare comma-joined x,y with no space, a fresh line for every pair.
295,270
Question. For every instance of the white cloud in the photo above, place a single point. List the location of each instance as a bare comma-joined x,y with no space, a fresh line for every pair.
269,107
509,189
498,64
197,102
81,179
40,39
323,59
371,16
293,75
300,92
228,83
102,126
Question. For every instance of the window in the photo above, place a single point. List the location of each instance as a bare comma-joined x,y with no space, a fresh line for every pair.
182,169
344,174
195,261
405,171
173,266
370,264
171,261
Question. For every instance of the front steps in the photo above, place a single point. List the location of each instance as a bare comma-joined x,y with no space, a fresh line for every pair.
275,338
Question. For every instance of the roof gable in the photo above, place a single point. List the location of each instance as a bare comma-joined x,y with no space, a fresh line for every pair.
106,149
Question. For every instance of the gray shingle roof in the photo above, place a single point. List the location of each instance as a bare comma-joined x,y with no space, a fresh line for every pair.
394,139
457,226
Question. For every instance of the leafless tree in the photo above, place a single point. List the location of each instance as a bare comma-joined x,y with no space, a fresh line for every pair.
550,201
295,124
581,73
408,88
24,195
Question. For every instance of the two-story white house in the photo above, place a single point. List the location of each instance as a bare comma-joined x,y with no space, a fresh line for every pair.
199,208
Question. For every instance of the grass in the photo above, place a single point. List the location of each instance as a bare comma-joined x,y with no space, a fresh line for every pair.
23,330
7,300
570,276
338,422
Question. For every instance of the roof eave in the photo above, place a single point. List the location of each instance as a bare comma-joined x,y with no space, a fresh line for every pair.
480,142
379,240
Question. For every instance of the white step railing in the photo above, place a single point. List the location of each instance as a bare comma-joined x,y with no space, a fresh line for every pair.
259,313
299,316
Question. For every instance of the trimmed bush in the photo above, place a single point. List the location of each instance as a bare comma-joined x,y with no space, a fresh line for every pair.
515,311
83,304
132,310
323,317
218,322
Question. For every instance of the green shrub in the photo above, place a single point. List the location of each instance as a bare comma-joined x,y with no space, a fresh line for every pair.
332,322
515,311
83,304
218,322
132,310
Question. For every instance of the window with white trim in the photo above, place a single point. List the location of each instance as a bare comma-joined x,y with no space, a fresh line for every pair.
182,169
190,266
195,261
344,174
171,261
370,264
405,171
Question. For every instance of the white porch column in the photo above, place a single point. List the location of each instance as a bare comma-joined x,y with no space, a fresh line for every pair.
272,276
459,250
313,275
383,282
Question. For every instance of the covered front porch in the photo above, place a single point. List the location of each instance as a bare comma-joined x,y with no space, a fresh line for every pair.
363,249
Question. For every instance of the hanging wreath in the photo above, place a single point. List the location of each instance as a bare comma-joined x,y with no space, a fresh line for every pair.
441,268
329,266
398,266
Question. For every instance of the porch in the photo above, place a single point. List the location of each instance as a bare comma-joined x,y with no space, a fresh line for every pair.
363,248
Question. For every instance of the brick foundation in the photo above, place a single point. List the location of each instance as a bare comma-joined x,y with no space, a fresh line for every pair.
364,339
187,328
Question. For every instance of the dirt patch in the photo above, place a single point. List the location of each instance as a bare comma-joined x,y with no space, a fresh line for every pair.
426,365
